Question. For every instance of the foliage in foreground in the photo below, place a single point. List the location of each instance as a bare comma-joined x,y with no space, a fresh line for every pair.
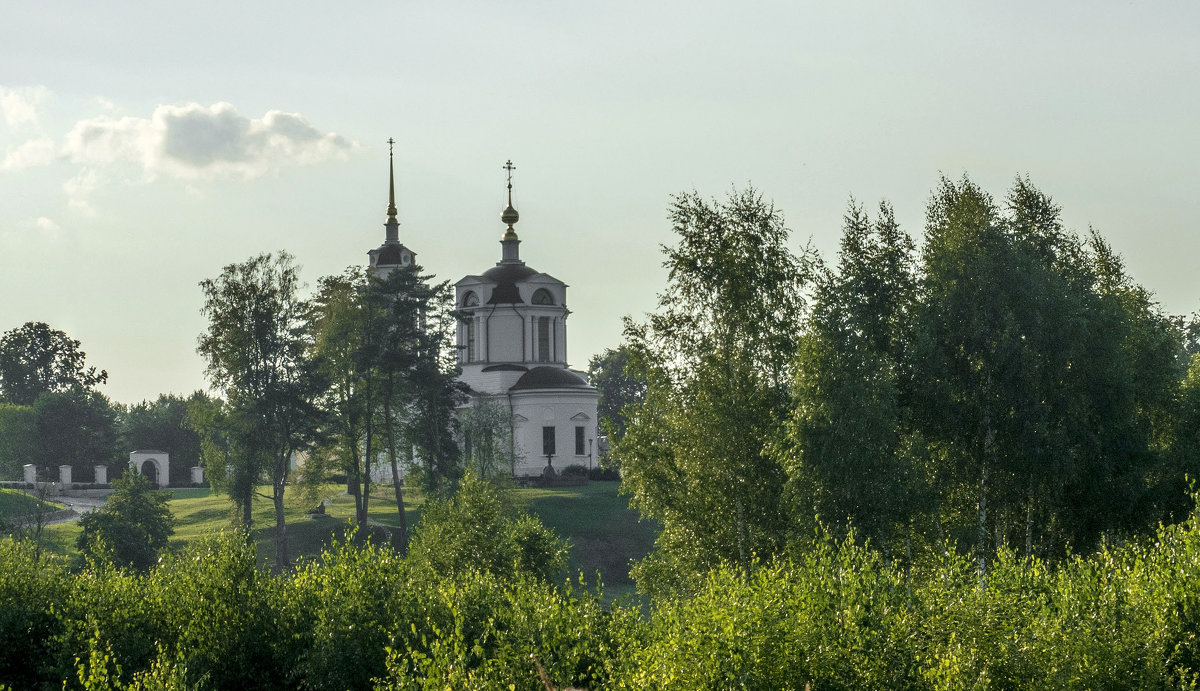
834,615
131,528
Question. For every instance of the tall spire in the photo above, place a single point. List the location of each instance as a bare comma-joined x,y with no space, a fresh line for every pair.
510,216
391,224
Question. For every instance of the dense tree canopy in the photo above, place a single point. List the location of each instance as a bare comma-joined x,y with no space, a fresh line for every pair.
77,428
611,374
36,359
162,424
1007,385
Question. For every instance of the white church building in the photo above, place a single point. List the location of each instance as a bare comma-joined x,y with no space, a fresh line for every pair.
512,348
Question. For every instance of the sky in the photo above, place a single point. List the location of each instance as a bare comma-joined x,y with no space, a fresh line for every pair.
144,147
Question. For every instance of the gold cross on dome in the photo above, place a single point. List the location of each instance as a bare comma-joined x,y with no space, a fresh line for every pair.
510,168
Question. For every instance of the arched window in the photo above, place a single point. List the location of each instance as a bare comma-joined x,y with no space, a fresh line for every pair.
541,296
470,299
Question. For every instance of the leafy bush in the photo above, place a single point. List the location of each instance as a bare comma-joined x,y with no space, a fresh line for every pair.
477,529
360,601
477,606
604,473
131,528
31,587
507,635
837,619
574,470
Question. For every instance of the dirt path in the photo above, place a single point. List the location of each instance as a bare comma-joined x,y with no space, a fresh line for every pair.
80,505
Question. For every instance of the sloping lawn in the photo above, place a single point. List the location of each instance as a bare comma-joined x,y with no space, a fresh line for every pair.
15,503
605,535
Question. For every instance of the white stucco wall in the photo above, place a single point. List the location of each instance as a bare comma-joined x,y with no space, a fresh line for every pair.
564,409
160,459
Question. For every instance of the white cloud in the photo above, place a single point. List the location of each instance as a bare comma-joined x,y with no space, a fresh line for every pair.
20,106
79,188
46,224
203,142
35,152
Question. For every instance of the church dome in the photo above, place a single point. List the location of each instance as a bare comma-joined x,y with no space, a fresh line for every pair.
506,276
550,378
390,254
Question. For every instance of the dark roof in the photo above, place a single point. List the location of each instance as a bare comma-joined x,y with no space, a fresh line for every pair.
549,378
390,255
505,368
505,276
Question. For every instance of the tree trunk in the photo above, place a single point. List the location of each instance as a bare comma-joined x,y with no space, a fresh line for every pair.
390,430
281,550
402,536
366,491
989,445
1029,523
362,502
981,531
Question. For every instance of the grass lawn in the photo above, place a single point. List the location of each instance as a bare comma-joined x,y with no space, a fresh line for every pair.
605,535
14,503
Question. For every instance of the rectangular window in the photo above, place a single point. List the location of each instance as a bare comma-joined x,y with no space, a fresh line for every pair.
543,339
548,441
579,441
471,339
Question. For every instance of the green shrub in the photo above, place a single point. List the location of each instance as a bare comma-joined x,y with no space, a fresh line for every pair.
836,618
477,529
31,590
133,525
574,470
228,621
604,474
360,601
506,635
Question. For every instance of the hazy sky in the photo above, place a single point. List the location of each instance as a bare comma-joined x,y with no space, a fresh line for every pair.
145,146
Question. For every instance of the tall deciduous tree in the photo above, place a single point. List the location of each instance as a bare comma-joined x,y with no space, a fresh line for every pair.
380,343
1042,372
844,446
345,339
612,376
256,345
36,359
716,357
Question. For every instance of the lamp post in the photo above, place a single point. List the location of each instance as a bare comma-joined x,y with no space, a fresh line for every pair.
590,454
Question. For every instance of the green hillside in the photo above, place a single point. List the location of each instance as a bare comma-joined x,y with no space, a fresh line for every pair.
14,503
605,535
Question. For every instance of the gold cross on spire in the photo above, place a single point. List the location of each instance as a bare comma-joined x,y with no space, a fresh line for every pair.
390,143
510,216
